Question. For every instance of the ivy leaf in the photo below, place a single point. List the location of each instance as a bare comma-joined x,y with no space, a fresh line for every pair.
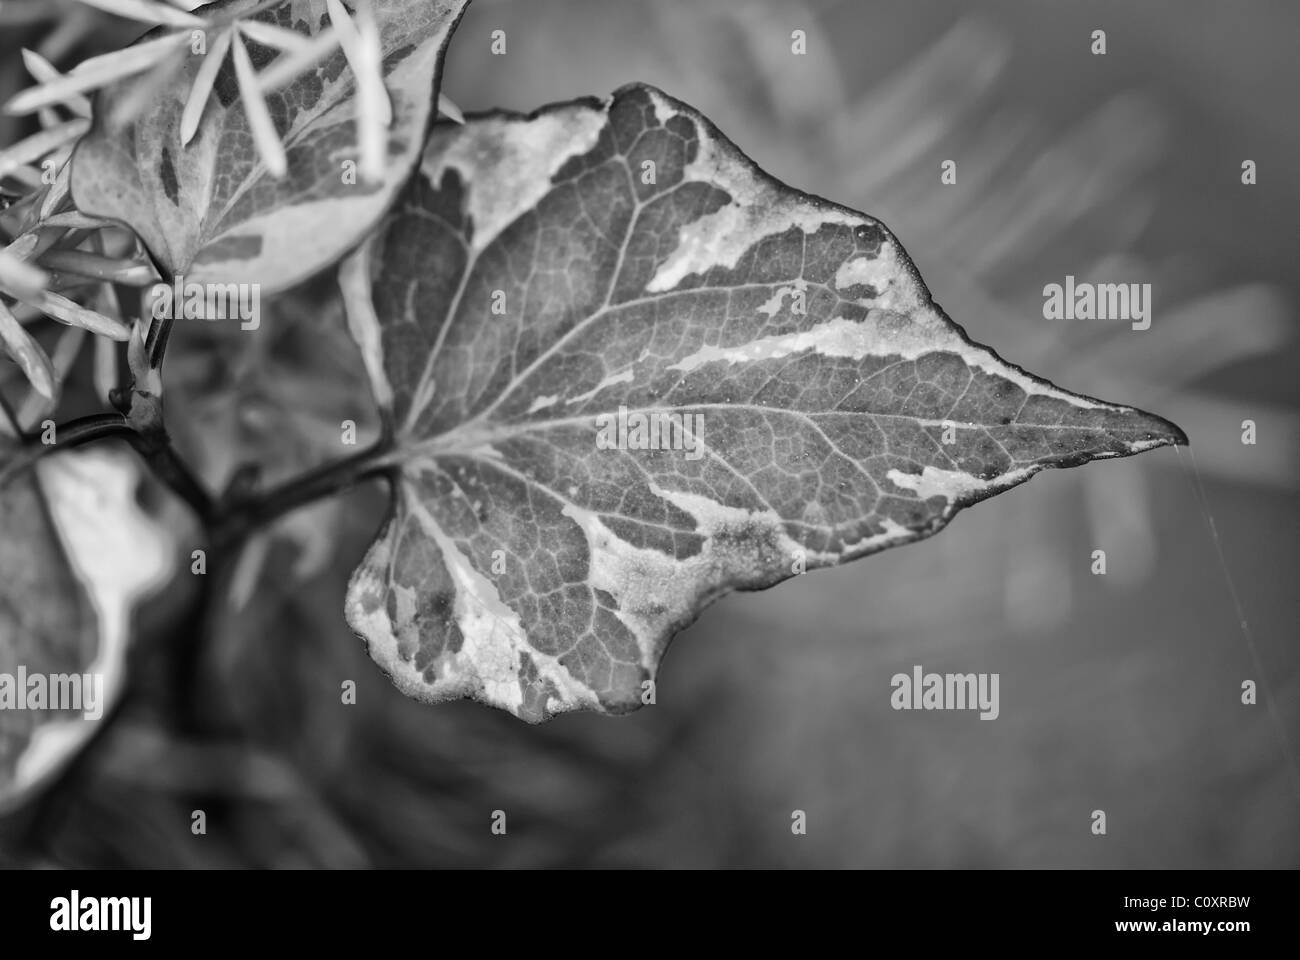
210,208
543,273
76,555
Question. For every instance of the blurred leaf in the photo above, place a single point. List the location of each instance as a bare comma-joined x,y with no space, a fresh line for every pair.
76,556
258,118
39,144
276,400
201,88
147,11
641,265
16,274
362,46
97,72
213,209
27,353
73,314
36,407
277,37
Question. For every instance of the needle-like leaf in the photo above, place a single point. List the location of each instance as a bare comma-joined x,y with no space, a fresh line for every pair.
201,89
96,266
142,89
17,275
360,43
57,193
290,66
45,72
39,144
96,72
160,14
66,311
278,38
75,219
36,407
27,353
220,214
260,124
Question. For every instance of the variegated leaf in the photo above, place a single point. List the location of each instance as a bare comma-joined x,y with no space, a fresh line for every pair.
76,556
542,273
210,209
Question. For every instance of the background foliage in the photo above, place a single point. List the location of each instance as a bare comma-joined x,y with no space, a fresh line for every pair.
1119,692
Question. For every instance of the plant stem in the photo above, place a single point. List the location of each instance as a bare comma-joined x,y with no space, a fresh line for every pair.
71,434
97,425
168,466
229,520
238,519
156,341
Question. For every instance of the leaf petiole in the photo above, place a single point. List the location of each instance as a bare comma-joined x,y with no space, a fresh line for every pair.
71,434
241,516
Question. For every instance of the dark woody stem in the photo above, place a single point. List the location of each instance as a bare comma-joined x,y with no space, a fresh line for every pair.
237,519
229,519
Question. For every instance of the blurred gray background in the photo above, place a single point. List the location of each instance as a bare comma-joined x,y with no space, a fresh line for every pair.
1118,692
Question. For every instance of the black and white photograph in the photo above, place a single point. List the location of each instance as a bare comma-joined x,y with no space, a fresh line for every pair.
590,435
